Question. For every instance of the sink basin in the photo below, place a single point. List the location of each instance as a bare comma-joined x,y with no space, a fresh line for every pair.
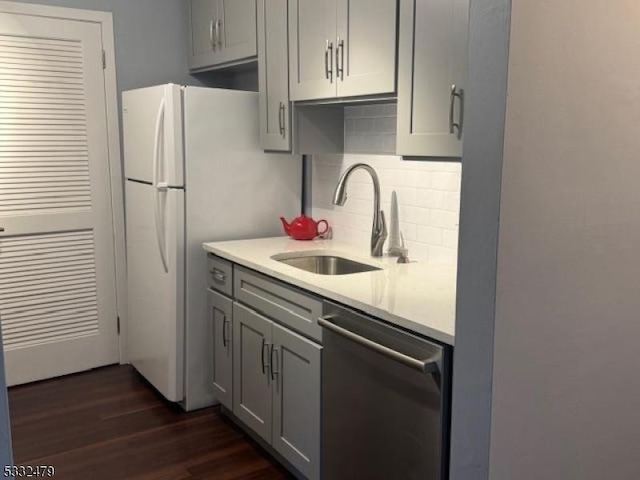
327,264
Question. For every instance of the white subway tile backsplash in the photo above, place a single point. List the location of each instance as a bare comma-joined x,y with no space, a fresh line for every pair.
442,254
428,217
430,198
429,235
450,239
444,219
452,201
445,181
428,192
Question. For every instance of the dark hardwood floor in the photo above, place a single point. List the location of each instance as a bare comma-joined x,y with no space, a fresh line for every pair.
109,424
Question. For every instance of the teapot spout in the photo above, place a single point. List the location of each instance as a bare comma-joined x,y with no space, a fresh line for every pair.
286,225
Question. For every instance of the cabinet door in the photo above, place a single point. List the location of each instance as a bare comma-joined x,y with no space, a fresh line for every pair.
273,65
365,59
223,32
431,75
237,31
203,15
312,38
221,315
296,400
251,372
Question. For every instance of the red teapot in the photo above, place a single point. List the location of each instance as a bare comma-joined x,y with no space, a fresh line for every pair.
304,228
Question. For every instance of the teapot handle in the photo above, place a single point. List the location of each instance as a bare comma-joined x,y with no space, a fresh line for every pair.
326,227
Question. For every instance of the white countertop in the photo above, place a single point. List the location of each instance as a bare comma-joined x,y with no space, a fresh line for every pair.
418,296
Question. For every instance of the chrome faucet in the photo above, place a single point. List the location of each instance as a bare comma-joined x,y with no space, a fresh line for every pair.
379,227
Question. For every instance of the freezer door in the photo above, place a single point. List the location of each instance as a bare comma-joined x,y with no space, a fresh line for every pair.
155,267
152,131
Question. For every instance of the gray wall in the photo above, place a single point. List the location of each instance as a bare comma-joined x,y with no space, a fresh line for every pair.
567,330
151,40
477,251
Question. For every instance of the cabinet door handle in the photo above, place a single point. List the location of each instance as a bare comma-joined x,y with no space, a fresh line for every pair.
340,59
455,127
1,229
281,119
218,23
273,360
225,335
328,61
265,365
211,27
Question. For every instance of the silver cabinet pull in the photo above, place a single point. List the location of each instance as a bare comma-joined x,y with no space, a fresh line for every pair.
218,23
328,61
218,275
225,335
340,59
453,126
281,119
273,360
265,347
429,365
211,39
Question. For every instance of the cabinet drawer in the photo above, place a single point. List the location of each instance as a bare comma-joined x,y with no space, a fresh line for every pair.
220,275
285,304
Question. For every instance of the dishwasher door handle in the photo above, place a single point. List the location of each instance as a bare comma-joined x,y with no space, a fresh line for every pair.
428,366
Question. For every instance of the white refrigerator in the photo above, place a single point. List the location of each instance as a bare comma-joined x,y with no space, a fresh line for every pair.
194,173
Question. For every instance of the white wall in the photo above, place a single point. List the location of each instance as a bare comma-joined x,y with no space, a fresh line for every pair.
566,388
428,192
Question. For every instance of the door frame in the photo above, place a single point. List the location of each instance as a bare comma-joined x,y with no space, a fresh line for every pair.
105,20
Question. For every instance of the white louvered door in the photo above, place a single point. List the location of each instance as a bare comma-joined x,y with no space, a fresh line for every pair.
57,273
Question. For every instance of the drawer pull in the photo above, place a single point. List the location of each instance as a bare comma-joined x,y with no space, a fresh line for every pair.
218,275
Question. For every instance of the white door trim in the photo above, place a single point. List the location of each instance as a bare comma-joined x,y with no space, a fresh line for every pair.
105,19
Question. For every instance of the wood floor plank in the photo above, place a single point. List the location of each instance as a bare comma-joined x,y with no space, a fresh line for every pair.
109,423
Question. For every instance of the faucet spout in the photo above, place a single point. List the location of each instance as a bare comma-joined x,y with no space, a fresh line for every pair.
379,227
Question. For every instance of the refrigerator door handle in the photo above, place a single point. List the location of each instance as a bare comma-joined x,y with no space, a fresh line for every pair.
159,190
156,143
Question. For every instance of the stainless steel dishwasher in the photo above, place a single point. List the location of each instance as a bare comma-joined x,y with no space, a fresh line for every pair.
385,400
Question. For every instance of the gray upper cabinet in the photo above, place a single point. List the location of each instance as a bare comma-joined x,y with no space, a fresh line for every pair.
221,315
223,33
273,65
366,47
296,400
312,38
252,397
432,62
341,48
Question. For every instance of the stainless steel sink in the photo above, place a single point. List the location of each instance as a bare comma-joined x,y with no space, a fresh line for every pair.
328,265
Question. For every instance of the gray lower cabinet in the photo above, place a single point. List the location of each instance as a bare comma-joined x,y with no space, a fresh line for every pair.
277,387
221,315
432,58
252,398
222,33
273,65
267,359
296,400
